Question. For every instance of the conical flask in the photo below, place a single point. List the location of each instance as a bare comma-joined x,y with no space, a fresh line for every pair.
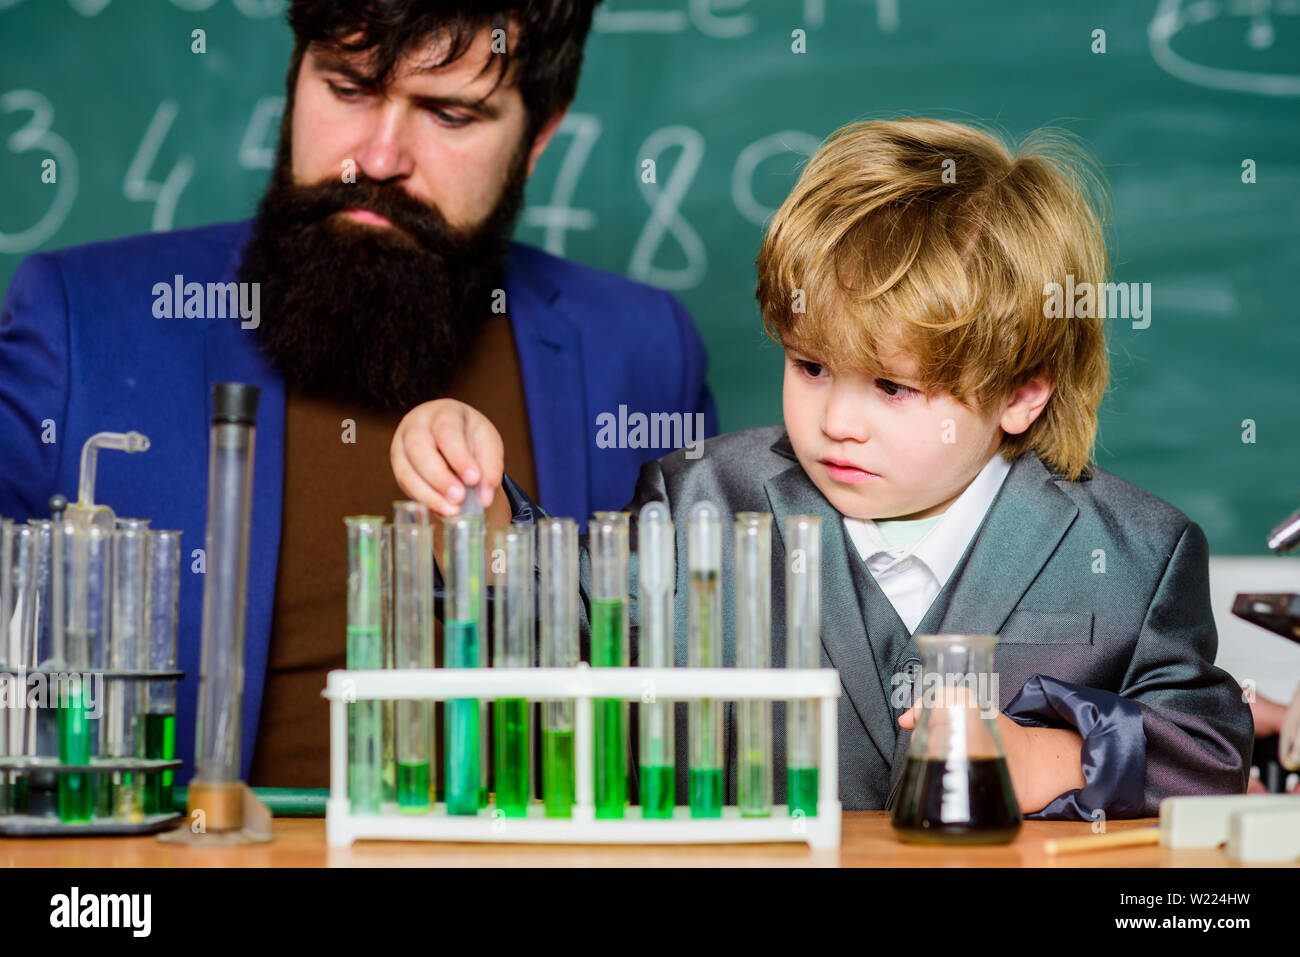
955,787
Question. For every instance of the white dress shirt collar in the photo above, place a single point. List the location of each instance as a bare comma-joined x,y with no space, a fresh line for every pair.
943,546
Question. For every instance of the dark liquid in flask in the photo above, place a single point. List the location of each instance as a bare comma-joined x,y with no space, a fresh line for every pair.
956,801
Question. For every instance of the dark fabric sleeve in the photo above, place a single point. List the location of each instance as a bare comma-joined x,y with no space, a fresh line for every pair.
1114,746
33,387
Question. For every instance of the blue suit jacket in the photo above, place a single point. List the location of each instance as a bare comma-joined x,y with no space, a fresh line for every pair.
80,349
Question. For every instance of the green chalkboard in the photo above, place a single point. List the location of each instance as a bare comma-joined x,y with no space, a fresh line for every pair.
1205,410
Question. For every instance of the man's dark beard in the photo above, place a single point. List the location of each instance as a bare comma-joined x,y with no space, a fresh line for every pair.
380,316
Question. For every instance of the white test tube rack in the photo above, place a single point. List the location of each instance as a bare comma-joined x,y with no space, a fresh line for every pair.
582,684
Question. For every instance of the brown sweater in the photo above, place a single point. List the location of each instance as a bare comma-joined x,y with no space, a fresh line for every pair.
328,475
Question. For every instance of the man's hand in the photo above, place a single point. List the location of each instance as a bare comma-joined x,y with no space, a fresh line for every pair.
441,444
1043,762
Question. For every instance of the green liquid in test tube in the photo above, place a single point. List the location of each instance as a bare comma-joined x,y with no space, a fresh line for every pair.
656,578
704,650
413,646
803,544
557,563
462,567
159,718
753,541
608,543
515,624
81,569
365,653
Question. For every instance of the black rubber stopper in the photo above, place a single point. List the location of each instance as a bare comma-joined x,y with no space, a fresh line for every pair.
235,402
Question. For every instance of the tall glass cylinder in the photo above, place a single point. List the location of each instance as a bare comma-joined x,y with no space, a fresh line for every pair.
557,562
803,602
753,547
462,567
413,646
656,573
608,544
365,653
122,793
515,631
704,650
216,787
160,696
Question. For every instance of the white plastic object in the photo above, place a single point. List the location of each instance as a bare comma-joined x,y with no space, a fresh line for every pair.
582,684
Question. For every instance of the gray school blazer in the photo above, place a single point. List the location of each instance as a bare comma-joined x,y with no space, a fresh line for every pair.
1093,582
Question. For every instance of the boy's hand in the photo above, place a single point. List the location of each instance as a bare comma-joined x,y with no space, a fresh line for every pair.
1043,762
441,444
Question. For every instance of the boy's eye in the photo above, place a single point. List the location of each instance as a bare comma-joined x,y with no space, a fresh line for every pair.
893,390
811,369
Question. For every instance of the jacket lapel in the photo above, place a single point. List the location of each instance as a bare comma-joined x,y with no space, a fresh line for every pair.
548,342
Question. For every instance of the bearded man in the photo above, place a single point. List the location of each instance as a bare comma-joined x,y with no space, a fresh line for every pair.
378,273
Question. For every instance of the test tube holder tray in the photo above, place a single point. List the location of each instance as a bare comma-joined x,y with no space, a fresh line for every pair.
582,685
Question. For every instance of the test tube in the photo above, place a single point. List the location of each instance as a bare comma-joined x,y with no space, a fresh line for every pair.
473,505
753,539
656,569
160,696
217,789
557,562
413,645
609,649
704,650
7,779
515,619
123,793
388,707
365,653
803,594
462,568
82,586
28,549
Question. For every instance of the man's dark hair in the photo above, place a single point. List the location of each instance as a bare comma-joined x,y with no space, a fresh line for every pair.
545,50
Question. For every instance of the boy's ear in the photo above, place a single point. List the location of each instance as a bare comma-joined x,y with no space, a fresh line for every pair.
1026,404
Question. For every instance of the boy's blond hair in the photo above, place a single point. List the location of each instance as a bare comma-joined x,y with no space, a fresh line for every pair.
884,244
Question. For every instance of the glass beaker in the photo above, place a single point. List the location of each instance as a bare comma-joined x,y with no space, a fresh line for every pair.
956,788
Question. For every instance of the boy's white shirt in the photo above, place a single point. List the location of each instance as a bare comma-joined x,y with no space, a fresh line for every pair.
911,575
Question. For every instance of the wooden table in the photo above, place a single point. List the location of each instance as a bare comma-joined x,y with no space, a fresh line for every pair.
868,842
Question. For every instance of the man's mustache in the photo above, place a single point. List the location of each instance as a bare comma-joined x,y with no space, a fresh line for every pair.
423,222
